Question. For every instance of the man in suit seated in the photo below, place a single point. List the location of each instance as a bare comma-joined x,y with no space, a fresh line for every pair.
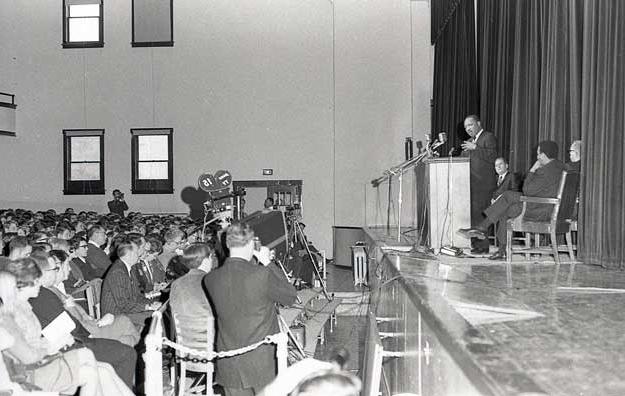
542,181
97,262
120,295
575,155
506,180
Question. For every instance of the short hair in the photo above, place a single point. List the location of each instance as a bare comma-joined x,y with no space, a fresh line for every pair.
329,382
194,254
124,247
135,238
26,271
116,191
156,246
503,159
59,243
172,234
474,117
94,229
18,242
549,148
59,255
239,235
41,258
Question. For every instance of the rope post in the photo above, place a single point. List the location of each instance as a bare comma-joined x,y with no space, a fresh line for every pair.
153,357
281,350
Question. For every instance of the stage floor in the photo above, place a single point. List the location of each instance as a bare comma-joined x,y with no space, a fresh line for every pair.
529,327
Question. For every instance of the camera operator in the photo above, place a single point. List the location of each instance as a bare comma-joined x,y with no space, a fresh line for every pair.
118,205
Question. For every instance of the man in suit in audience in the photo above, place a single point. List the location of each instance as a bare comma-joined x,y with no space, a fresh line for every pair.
174,241
244,294
47,306
506,180
482,151
98,262
120,294
542,180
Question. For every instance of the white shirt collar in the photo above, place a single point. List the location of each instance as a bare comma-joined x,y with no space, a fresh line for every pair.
478,135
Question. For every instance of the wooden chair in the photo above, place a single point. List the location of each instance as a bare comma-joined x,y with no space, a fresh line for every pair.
92,292
558,223
203,342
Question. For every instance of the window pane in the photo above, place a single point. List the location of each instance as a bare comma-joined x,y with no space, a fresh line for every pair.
153,148
152,21
153,171
84,29
85,148
85,172
84,10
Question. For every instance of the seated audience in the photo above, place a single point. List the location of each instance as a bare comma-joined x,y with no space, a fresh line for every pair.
120,295
50,368
47,306
19,248
244,294
187,298
543,180
174,240
98,261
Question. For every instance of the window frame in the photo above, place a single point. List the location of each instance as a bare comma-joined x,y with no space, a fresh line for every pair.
82,44
81,187
144,186
139,44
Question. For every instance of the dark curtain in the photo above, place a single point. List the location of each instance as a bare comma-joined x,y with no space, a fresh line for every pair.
602,234
455,92
530,81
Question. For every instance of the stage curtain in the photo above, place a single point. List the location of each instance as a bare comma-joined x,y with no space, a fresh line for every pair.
530,80
602,232
455,92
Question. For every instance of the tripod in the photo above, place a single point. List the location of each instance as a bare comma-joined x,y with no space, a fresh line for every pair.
296,233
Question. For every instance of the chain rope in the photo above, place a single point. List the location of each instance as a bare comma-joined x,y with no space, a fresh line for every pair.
206,357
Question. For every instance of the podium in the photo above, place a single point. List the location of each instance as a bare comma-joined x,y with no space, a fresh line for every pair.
443,201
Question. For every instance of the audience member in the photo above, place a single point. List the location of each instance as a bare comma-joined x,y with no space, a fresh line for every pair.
542,181
49,368
188,300
19,248
482,151
244,295
120,295
98,262
575,155
174,240
117,205
47,306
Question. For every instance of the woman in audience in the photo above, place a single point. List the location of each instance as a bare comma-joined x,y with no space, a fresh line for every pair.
114,327
49,368
188,301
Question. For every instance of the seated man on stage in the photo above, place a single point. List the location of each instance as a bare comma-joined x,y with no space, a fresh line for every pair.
575,155
542,181
506,180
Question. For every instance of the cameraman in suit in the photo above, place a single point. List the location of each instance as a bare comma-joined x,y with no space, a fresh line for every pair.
118,205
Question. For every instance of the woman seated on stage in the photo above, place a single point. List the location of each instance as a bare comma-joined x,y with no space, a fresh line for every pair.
48,367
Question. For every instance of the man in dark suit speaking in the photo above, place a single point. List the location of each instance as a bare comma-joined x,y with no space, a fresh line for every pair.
482,151
244,294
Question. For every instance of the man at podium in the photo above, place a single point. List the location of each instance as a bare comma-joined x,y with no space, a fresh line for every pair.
482,152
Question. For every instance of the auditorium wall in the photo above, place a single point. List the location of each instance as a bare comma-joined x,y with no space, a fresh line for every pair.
317,90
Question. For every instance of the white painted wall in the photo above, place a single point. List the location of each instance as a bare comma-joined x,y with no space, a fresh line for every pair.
248,85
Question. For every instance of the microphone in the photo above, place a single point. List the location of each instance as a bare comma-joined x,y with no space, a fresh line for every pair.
452,151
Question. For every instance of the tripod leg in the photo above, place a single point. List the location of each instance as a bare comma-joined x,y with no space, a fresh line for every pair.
299,230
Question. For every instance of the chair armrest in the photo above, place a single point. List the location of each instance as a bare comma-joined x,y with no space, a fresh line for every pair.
552,201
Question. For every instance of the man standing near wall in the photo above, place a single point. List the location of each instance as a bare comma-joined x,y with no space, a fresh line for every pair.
118,205
482,152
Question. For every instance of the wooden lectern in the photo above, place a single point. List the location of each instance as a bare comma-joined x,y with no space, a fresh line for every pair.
443,201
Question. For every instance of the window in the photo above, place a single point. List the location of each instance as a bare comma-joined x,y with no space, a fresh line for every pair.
7,114
152,23
83,23
83,159
152,161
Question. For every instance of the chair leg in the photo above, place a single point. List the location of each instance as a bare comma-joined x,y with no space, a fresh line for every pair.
554,247
509,246
182,380
528,245
569,245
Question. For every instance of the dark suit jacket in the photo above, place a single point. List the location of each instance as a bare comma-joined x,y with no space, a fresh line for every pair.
542,183
97,260
243,295
120,295
483,162
117,207
510,183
